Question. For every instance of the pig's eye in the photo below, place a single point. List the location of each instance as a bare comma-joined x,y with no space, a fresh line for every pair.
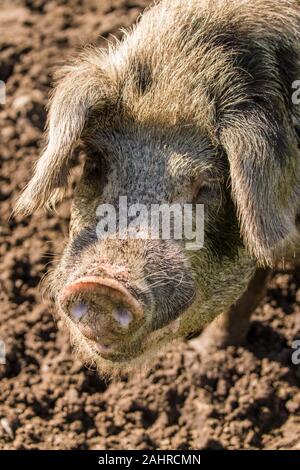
95,168
207,192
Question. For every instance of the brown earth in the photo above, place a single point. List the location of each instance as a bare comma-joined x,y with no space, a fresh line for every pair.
246,397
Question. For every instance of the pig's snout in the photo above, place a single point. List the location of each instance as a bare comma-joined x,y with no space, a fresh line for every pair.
104,311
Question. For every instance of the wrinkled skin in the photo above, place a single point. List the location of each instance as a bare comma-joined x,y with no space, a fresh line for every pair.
193,106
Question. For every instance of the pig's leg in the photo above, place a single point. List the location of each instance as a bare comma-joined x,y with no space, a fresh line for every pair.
231,328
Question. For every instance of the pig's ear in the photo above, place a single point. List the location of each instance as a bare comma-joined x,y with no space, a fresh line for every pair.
264,164
78,92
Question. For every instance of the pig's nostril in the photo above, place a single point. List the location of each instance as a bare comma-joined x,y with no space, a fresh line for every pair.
78,310
107,297
122,316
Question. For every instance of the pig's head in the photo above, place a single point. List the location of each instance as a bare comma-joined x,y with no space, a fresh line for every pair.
157,132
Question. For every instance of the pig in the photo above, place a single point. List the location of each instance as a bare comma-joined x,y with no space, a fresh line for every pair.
193,106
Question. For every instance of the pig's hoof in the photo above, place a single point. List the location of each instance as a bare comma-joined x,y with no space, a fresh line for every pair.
214,338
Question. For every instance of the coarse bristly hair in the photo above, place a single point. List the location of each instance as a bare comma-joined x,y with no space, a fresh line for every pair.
224,67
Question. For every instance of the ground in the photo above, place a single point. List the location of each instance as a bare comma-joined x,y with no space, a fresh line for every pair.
246,397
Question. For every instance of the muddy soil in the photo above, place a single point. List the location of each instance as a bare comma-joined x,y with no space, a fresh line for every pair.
246,397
